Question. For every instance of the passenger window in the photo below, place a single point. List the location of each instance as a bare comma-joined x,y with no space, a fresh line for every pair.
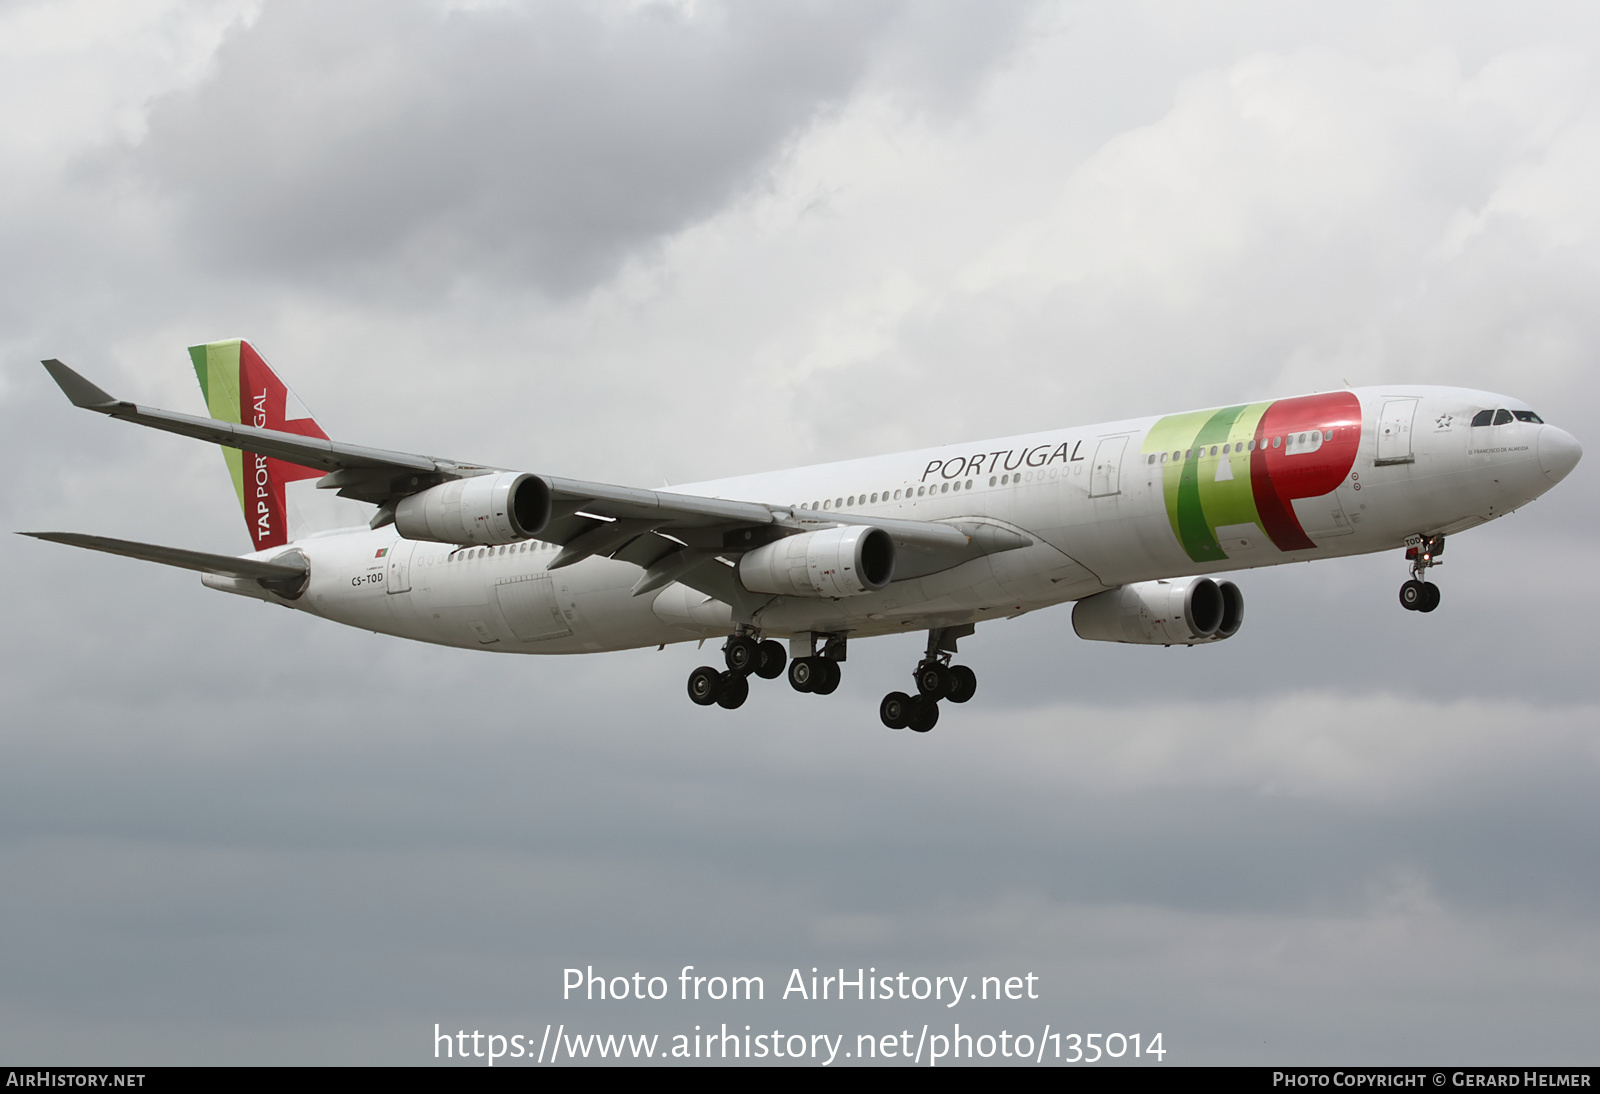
1528,416
1501,417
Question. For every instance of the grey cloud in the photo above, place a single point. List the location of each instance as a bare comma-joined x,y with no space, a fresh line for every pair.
547,142
248,869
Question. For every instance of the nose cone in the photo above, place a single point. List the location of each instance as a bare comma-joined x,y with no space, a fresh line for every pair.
1559,453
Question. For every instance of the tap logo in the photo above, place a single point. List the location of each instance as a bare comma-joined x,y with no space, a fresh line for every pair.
239,386
1247,465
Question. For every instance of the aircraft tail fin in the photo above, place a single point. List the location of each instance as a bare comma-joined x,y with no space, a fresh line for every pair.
239,386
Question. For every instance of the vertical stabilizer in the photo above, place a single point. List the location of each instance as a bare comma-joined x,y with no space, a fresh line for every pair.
239,386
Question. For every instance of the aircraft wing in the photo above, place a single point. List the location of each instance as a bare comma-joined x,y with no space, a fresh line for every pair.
670,535
330,456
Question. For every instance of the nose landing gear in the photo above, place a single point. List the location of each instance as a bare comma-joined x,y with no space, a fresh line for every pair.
936,679
744,655
1418,594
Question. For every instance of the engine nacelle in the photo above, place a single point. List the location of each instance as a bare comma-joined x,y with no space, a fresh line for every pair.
833,562
480,511
1185,612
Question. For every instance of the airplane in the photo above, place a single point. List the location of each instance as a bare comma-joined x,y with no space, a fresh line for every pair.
1125,519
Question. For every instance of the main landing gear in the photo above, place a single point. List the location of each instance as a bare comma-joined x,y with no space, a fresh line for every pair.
818,673
815,669
744,655
936,679
1418,595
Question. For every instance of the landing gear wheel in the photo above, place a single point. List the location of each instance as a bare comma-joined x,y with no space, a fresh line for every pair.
828,677
963,684
733,689
704,685
933,680
1419,594
1413,595
924,714
805,673
895,710
770,660
741,654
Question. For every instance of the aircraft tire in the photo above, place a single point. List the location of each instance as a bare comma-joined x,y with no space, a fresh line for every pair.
771,660
804,674
828,677
733,690
1412,595
741,654
1430,597
704,685
933,680
925,714
895,710
963,684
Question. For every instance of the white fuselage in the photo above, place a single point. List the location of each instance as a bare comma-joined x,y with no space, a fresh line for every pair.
1101,506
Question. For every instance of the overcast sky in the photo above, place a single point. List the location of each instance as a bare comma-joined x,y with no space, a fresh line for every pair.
659,242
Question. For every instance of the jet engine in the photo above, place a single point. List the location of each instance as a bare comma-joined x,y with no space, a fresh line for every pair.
833,562
483,510
1185,612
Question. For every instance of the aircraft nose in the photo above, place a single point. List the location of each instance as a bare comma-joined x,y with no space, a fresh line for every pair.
1559,452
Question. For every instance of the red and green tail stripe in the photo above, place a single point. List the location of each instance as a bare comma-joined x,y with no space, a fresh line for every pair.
240,387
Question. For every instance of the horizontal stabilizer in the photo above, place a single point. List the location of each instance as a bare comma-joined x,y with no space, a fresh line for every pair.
287,572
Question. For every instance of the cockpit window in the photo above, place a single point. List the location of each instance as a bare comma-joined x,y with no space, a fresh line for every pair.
1501,417
1483,417
1528,416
